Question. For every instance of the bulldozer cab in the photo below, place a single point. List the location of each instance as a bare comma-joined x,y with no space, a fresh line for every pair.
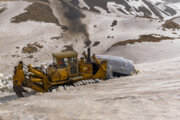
66,60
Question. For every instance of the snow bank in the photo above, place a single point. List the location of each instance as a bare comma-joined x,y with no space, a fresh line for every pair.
2,5
119,64
6,82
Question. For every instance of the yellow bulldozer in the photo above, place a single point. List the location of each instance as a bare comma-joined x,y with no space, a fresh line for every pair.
65,69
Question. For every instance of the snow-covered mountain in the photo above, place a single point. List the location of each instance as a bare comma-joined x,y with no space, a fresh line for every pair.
172,1
166,5
143,8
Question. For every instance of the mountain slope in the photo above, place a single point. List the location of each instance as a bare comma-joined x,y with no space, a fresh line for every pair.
172,1
143,8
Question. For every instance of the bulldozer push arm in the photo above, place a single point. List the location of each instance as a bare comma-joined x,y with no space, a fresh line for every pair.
21,80
98,62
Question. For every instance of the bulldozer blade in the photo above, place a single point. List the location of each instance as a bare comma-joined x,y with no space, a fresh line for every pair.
18,89
19,94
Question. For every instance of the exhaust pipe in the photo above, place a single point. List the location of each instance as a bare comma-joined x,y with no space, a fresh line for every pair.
89,54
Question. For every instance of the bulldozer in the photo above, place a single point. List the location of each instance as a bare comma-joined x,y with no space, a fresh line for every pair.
65,69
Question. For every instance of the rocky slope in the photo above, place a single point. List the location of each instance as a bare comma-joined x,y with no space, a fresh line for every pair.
172,1
142,8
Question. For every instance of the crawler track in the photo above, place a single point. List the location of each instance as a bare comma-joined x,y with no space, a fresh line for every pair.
66,86
76,84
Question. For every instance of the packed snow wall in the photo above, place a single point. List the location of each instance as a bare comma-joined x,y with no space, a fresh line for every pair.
118,65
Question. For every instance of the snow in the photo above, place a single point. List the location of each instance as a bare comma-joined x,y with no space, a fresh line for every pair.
175,5
119,64
126,29
152,94
177,20
83,4
113,8
2,5
148,52
14,35
6,85
137,4
157,1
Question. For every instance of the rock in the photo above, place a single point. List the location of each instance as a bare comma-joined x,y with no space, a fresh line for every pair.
169,24
96,43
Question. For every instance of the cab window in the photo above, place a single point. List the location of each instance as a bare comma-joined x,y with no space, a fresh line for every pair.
72,61
62,62
54,64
